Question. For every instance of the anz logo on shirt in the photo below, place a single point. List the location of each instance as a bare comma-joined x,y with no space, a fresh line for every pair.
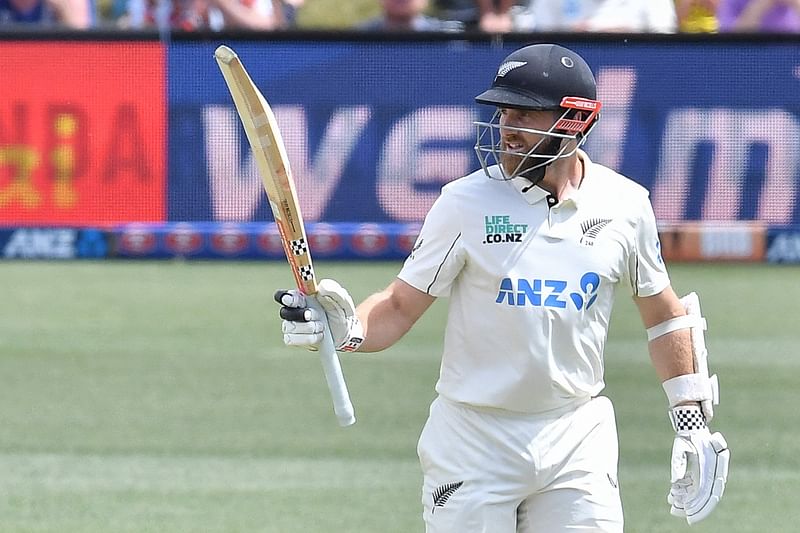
549,292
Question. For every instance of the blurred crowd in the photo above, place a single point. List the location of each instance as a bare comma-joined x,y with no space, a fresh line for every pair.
490,16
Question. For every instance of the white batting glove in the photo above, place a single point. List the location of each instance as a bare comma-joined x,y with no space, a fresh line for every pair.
699,467
303,326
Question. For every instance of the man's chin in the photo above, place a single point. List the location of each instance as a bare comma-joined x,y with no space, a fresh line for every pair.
516,166
519,167
510,164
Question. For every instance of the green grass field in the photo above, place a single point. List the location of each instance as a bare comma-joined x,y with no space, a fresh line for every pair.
157,396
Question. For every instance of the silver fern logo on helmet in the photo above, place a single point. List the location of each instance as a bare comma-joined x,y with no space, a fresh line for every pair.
508,66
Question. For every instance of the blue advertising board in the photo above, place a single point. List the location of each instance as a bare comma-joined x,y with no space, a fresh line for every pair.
251,240
374,129
54,243
783,245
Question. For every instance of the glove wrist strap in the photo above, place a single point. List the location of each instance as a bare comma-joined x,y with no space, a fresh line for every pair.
687,418
351,344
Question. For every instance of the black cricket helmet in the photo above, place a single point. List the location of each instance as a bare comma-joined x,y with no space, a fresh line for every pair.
539,77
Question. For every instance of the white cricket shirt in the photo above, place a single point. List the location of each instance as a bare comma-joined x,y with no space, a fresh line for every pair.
531,284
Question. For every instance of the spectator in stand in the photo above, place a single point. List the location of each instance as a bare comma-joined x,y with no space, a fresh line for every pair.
634,16
490,16
75,14
697,16
193,15
290,9
407,15
771,16
464,11
496,16
248,14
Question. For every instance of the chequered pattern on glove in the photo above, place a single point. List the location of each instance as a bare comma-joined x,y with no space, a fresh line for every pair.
299,246
687,418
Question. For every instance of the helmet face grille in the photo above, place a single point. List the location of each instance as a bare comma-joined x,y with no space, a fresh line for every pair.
489,146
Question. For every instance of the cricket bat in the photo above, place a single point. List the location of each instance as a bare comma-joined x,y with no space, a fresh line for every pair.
273,165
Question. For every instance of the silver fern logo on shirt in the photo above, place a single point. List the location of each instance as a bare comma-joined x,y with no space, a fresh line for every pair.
591,228
443,493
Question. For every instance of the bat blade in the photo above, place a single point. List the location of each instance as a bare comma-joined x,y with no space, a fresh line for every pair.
262,132
264,136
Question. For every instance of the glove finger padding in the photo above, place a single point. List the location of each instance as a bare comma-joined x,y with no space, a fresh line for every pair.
303,328
699,469
290,298
301,325
679,465
305,340
346,328
297,314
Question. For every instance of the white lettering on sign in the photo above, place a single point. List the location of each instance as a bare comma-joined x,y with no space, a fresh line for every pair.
41,244
732,133
412,169
431,146
785,248
235,186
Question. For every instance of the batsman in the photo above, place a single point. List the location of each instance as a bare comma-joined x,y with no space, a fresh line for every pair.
530,249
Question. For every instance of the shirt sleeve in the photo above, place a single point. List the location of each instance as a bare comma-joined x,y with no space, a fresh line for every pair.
646,268
438,254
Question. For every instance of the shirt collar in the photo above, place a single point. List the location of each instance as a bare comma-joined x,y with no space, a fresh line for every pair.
535,194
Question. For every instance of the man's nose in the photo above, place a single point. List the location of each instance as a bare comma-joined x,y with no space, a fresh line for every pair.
508,128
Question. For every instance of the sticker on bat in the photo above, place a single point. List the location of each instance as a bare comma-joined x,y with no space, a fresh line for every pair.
299,247
306,272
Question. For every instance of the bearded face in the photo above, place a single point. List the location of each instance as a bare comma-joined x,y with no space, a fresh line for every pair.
518,143
524,142
515,159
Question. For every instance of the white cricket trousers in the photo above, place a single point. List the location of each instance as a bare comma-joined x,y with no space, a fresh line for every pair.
491,471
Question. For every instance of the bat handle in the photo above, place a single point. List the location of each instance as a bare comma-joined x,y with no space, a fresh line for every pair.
332,368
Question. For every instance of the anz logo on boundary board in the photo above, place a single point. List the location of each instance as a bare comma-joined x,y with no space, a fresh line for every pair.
549,292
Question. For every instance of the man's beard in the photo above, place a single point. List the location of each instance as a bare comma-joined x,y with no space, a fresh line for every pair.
521,165
517,165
